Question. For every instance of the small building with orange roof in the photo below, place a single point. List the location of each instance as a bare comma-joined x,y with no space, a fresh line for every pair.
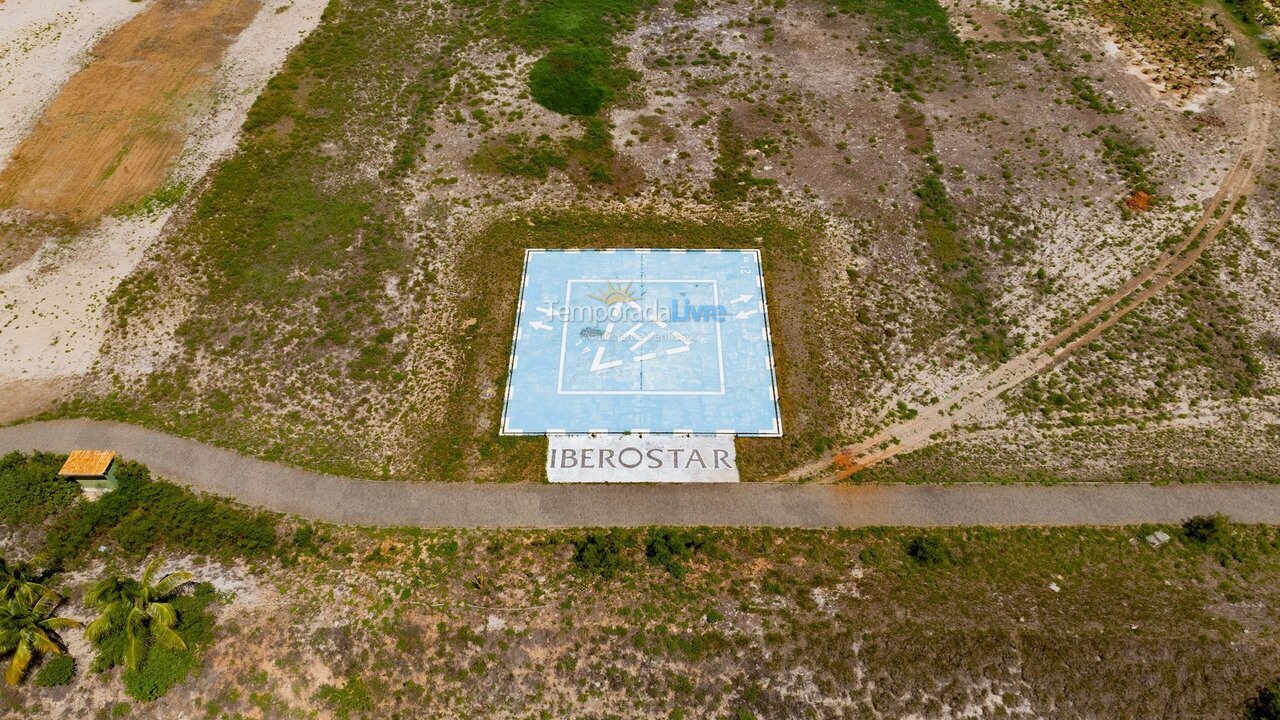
93,469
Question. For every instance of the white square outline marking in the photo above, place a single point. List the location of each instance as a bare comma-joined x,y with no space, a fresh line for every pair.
564,340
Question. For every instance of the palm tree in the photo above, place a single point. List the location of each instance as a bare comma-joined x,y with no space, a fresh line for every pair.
27,628
20,578
139,609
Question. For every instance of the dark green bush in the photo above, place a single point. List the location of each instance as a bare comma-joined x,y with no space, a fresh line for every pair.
30,489
1206,529
601,552
57,670
928,550
572,80
1266,705
670,548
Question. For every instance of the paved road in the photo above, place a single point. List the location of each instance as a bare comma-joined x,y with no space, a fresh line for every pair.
425,504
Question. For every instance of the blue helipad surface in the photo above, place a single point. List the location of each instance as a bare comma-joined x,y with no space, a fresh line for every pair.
657,341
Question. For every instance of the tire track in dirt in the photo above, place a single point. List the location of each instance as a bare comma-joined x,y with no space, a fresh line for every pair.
113,131
973,400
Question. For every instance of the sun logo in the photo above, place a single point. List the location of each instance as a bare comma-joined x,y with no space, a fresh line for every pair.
612,294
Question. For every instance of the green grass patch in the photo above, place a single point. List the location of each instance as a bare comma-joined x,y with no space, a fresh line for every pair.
733,179
351,697
575,80
959,263
520,156
590,23
907,21
1130,159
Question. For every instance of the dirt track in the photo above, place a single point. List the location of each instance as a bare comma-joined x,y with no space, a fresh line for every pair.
112,133
971,401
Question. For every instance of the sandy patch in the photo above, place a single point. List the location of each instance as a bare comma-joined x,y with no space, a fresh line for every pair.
51,306
42,44
116,126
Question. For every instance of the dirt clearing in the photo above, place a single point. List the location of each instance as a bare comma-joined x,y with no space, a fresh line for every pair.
51,321
113,132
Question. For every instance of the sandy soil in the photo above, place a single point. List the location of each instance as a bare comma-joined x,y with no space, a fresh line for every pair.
52,324
42,44
111,134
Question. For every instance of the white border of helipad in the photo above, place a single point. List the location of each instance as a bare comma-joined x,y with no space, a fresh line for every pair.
774,431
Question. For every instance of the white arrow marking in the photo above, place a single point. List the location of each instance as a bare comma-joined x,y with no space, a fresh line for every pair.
539,325
743,315
597,366
549,310
740,299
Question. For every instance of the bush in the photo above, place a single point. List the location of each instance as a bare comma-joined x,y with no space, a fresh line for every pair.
928,550
1266,706
30,489
163,668
58,670
143,514
160,672
601,552
570,80
668,548
1206,529
352,697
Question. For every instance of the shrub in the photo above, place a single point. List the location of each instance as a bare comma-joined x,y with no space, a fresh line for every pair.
58,670
30,489
160,672
928,550
668,548
352,697
601,552
143,514
571,80
164,668
1206,529
1266,706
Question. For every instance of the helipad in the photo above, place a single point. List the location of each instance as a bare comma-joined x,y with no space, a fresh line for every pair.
642,341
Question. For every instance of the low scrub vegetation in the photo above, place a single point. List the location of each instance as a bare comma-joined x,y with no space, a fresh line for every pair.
141,515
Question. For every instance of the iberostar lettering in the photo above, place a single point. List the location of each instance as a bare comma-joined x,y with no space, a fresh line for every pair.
630,458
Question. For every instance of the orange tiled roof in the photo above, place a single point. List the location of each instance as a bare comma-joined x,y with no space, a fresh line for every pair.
87,463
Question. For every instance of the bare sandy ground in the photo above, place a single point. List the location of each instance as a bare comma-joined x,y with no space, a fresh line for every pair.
110,135
42,44
51,305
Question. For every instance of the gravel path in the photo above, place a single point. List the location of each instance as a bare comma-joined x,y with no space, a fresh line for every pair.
426,504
